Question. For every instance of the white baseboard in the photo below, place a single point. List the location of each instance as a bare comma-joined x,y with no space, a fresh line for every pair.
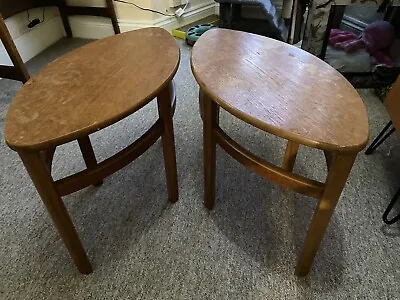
95,28
35,40
43,35
195,13
217,9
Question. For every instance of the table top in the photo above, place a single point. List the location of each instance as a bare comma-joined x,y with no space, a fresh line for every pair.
90,88
280,89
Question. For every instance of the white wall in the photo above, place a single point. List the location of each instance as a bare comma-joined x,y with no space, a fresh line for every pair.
131,18
31,42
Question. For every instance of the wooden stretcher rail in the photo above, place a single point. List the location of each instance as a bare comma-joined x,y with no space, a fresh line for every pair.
273,173
109,166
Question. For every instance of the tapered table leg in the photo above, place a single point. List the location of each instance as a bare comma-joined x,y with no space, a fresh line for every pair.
165,109
336,180
210,121
43,181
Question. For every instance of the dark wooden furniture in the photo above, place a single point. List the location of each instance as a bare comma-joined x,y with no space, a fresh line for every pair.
392,104
18,71
290,93
9,8
83,92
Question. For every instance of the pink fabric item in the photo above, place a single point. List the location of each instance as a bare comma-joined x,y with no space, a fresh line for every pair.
352,46
335,31
341,38
377,34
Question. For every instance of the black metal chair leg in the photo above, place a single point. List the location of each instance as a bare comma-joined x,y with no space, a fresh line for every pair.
379,139
389,208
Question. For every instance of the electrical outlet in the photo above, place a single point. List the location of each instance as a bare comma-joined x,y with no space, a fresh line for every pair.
175,3
179,12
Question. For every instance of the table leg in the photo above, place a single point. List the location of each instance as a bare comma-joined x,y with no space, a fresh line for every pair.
88,154
236,11
210,121
290,155
43,181
335,182
168,141
64,17
225,18
113,16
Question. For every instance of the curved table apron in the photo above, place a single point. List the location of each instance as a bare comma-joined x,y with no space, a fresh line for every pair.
83,92
291,94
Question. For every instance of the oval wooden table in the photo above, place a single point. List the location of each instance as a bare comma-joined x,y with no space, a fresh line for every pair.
291,94
83,92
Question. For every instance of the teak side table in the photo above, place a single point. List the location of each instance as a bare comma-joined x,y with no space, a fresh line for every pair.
287,92
83,92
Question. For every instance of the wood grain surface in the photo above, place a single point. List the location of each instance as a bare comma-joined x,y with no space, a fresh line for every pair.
280,89
392,104
91,88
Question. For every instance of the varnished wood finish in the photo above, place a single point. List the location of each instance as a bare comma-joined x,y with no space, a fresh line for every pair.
275,174
84,97
62,8
88,155
392,104
303,100
329,158
335,182
43,181
87,152
287,92
113,75
210,121
18,71
113,16
80,180
290,156
47,156
168,140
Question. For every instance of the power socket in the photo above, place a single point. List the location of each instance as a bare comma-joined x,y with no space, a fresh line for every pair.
179,12
33,23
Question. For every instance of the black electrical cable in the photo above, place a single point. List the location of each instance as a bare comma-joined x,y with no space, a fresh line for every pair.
147,9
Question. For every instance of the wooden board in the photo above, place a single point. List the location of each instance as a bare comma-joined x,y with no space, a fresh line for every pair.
280,89
392,104
91,88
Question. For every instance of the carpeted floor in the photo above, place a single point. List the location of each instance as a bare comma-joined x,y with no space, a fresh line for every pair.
141,247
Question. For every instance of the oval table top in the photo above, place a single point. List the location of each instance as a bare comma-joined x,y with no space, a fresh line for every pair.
280,89
90,88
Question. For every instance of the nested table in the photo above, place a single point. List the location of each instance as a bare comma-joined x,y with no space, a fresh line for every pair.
83,92
291,94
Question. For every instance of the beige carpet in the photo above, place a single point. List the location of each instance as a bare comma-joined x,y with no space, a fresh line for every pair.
141,247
